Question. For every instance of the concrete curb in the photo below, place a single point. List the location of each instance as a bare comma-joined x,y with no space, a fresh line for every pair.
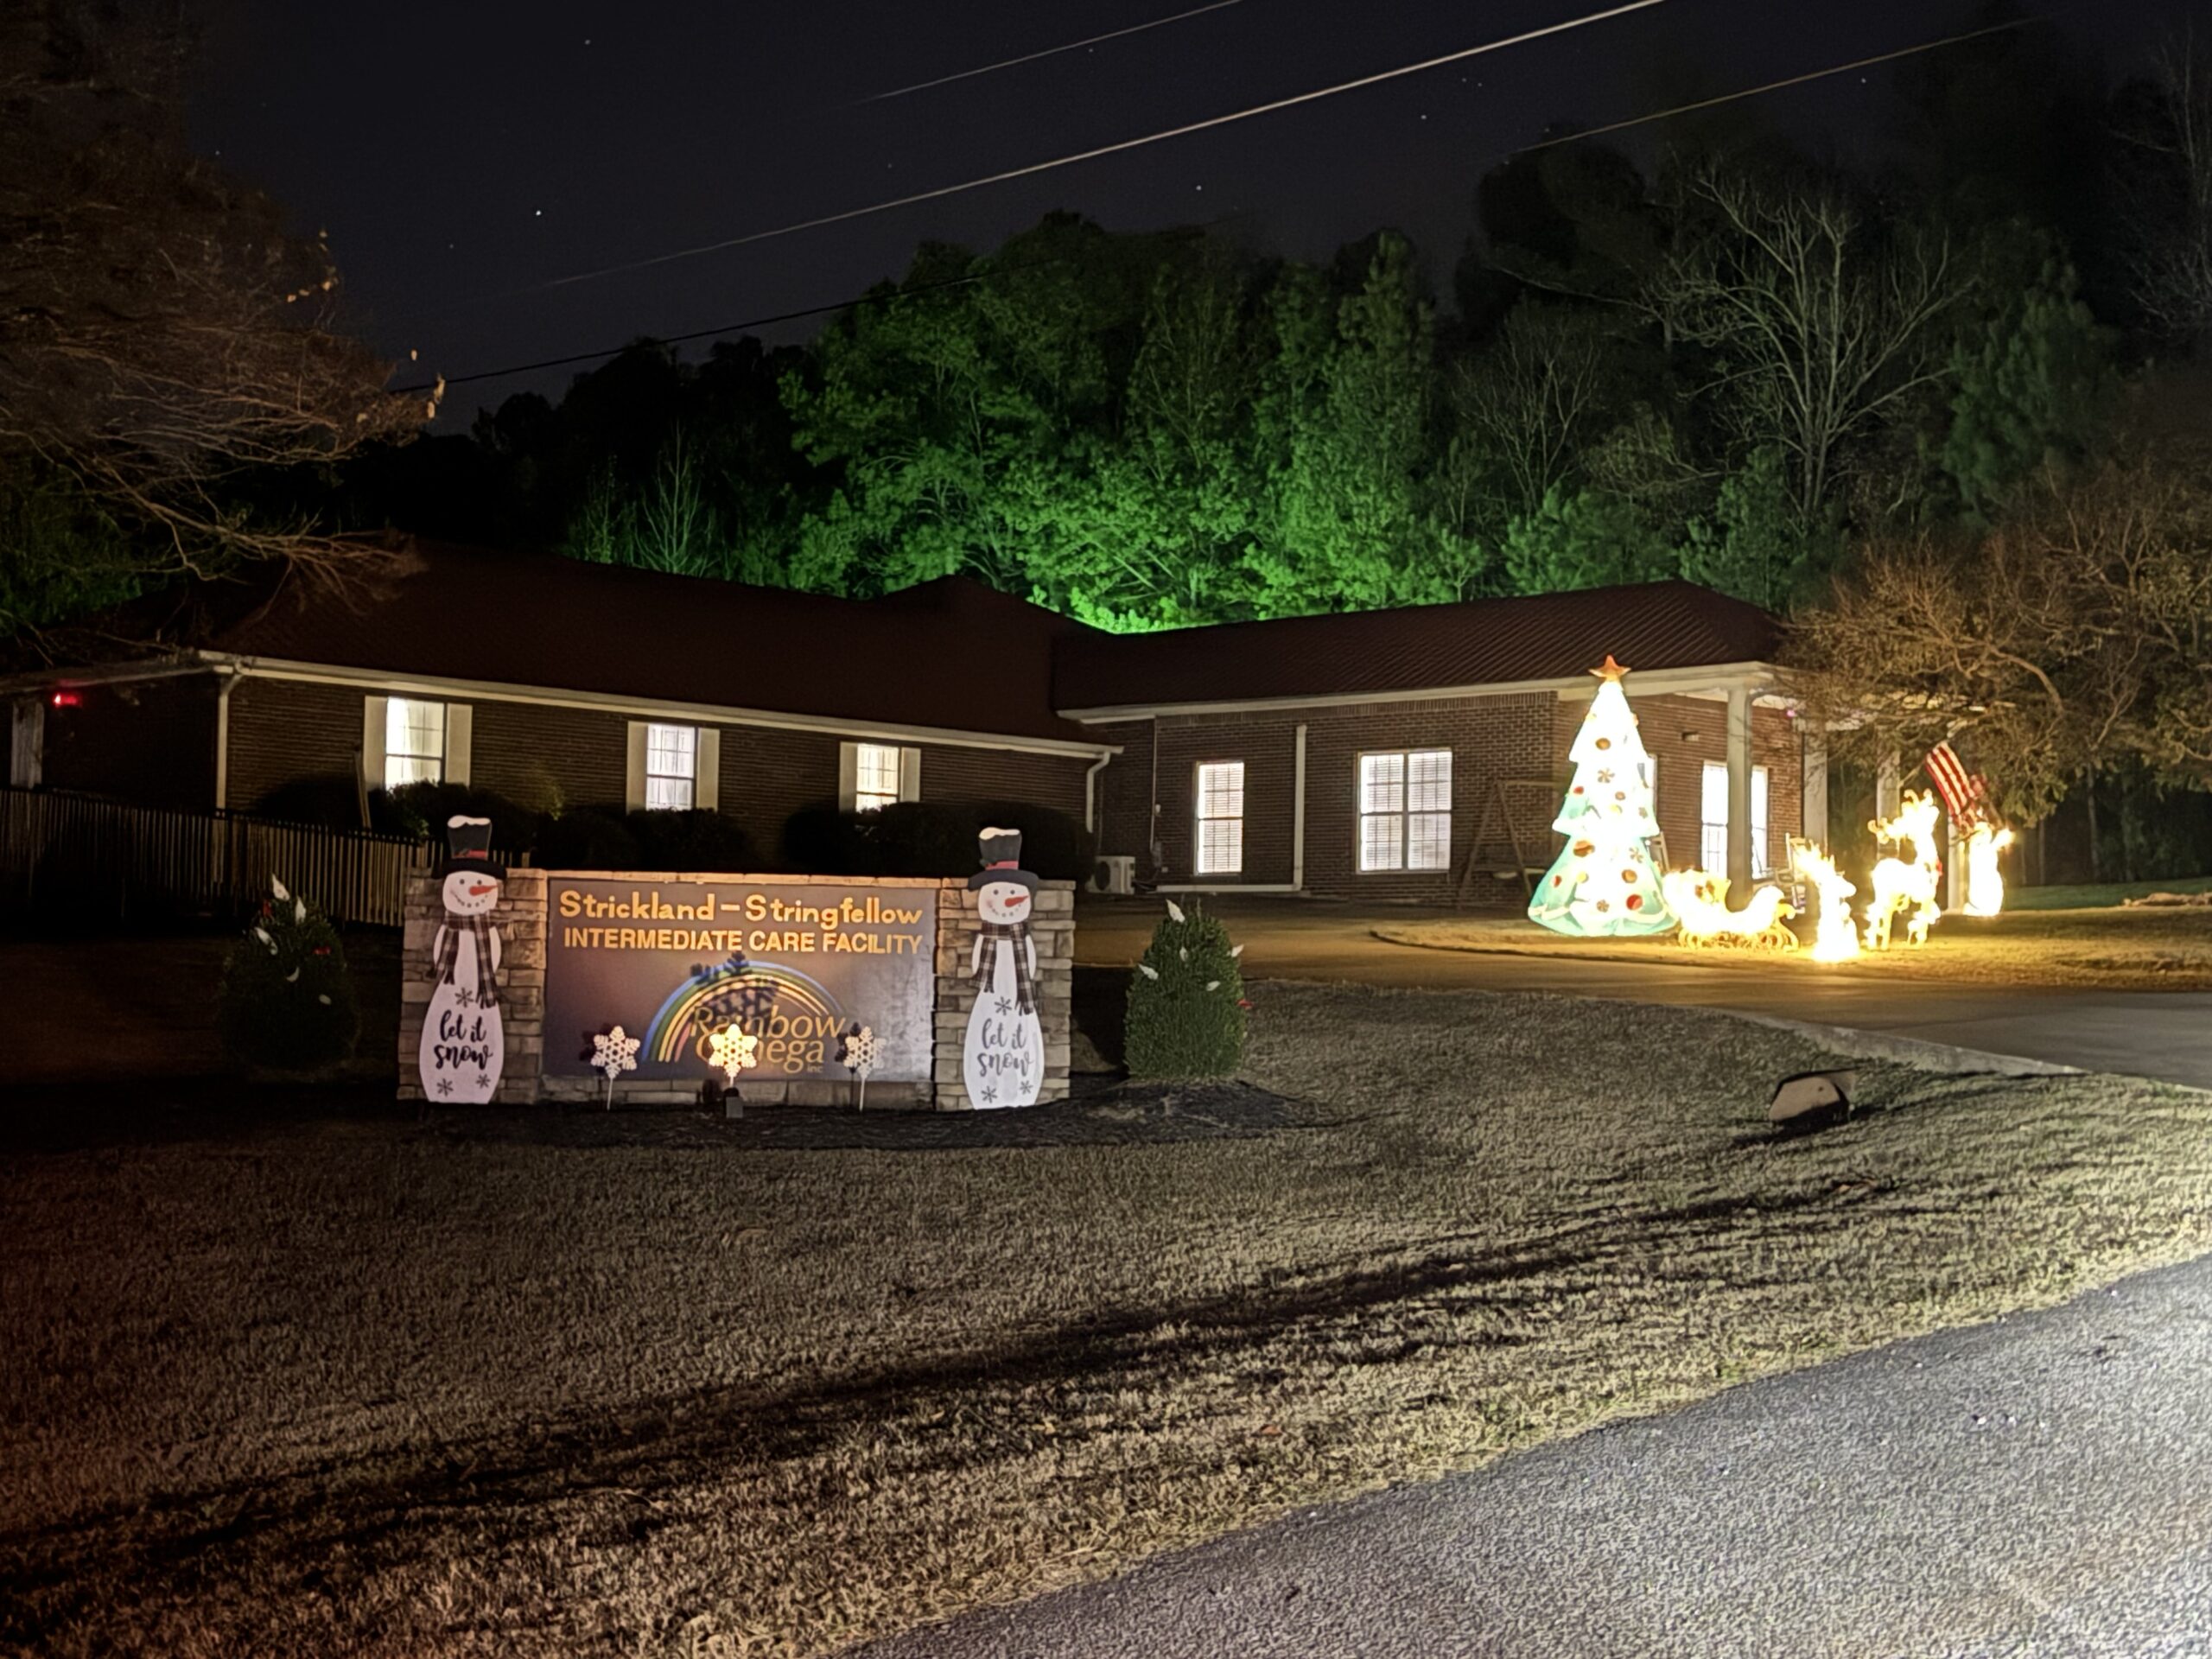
1914,1051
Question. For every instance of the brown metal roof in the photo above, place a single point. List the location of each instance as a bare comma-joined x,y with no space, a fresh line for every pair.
1488,642
950,654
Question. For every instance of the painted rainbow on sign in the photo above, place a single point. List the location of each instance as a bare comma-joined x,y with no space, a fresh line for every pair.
776,987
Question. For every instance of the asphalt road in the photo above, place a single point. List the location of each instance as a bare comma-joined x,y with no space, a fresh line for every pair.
2041,1486
2152,1033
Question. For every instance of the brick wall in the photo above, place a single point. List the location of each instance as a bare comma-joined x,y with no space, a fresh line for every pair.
283,731
547,757
521,920
149,741
1492,739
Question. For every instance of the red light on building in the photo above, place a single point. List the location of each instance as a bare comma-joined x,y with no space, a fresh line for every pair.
66,699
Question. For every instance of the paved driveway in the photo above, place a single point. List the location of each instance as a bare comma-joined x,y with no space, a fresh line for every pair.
2039,1487
2147,1034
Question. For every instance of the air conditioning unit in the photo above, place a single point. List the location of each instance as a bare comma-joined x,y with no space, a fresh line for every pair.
1116,873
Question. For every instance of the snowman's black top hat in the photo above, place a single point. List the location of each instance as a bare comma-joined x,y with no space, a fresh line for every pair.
1001,850
468,846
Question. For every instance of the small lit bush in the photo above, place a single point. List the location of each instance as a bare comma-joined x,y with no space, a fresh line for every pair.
286,1002
1187,1001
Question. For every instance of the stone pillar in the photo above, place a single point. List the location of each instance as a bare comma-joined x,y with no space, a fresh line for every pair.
1739,793
521,921
1053,932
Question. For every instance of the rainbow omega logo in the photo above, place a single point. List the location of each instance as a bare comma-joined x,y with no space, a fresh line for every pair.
798,1020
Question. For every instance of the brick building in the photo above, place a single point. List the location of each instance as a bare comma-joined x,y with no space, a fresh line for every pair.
1392,754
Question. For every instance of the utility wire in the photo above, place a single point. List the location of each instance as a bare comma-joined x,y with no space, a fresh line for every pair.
696,333
1049,52
1113,148
1777,86
1503,156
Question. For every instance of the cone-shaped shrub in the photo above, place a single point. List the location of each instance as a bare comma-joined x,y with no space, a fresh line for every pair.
1186,1012
287,1002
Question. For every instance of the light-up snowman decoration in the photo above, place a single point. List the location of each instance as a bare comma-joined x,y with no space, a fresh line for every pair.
1002,1062
464,1041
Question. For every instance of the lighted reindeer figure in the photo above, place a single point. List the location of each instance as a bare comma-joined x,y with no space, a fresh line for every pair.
1700,901
1899,882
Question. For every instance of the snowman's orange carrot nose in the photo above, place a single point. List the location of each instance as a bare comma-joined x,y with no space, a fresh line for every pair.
475,891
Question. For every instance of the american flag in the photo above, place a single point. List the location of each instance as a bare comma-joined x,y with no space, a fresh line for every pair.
1966,794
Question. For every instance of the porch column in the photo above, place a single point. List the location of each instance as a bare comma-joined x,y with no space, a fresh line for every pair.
1889,786
1813,811
1739,791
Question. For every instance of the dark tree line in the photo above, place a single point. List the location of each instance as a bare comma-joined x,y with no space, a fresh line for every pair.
1734,361
1736,364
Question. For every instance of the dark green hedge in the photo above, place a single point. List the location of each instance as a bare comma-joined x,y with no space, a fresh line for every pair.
932,838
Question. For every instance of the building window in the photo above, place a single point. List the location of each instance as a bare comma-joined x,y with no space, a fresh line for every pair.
414,742
876,776
672,768
1221,818
1713,835
1405,810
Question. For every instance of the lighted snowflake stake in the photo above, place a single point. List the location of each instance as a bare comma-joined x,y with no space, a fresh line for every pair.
860,1057
732,1048
612,1052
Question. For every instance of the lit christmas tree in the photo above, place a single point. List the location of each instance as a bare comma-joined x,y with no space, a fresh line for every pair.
1602,884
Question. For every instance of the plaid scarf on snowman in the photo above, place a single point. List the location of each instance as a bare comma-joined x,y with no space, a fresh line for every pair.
1017,936
448,955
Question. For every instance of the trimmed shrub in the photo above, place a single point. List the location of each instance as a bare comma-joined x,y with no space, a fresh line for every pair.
421,811
700,839
585,838
332,801
1186,1008
932,838
286,1002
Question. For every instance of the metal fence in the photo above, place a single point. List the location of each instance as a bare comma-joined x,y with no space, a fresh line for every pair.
84,861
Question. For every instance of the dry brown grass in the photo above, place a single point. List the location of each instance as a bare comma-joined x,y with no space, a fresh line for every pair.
2137,948
360,1388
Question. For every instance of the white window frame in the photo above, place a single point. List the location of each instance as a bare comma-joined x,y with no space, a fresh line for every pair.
400,736
1388,835
672,767
1712,832
1218,805
876,777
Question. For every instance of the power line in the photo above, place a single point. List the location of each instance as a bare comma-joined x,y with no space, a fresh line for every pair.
1503,156
1113,148
1777,86
696,333
1049,52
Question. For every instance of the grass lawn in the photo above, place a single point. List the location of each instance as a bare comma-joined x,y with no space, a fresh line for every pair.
358,1383
2143,948
2102,895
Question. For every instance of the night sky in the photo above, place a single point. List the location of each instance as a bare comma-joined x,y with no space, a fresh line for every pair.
462,155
